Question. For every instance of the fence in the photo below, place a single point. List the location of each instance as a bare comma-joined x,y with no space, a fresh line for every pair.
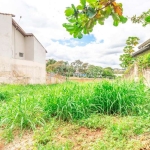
52,78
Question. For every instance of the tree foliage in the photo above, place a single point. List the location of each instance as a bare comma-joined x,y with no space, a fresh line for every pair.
78,69
83,18
144,18
127,58
144,61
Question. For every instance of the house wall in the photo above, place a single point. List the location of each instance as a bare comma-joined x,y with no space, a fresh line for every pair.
39,52
18,41
30,68
6,36
21,71
29,48
146,75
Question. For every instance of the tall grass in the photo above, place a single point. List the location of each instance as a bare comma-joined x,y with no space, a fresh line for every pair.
119,97
22,108
69,101
75,101
32,105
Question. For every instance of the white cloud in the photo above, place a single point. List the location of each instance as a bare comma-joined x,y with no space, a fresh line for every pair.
45,18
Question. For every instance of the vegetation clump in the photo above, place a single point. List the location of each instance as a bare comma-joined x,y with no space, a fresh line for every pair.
52,106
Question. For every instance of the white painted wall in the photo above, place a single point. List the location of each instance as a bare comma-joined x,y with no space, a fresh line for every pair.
18,43
29,48
6,36
39,52
31,66
15,70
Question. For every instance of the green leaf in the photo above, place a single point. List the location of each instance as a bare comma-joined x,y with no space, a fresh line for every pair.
89,24
80,35
84,31
108,11
91,1
115,16
72,20
101,21
116,19
147,19
91,12
79,7
83,2
64,25
123,19
69,28
73,7
116,23
69,11
75,35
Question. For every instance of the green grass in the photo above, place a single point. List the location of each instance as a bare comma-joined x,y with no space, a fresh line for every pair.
108,132
76,101
120,108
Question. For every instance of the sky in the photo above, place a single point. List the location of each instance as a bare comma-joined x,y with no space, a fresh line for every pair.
102,47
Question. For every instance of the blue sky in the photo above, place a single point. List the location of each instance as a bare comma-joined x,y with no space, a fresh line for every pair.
103,47
73,42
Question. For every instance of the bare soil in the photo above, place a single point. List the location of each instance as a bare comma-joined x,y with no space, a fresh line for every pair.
24,142
82,138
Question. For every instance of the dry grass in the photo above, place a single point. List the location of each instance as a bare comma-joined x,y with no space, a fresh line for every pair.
84,79
145,140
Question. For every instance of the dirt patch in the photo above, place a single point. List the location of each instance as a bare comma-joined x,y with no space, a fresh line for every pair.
81,138
1,145
78,137
24,142
145,140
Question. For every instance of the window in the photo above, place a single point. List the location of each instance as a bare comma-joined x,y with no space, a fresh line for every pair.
20,54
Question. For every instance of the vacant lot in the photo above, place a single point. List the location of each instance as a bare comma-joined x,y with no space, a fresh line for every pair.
74,116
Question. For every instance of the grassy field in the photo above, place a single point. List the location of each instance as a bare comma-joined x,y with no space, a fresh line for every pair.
105,115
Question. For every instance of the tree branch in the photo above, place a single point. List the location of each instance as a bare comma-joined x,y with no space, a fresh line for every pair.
109,3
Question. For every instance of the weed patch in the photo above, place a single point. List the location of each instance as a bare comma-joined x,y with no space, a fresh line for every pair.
99,115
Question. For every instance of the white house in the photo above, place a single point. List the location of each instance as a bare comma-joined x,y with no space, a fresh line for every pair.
22,56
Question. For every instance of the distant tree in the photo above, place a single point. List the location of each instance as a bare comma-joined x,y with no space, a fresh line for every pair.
50,65
77,65
108,72
94,71
77,68
109,68
84,68
50,61
126,58
61,67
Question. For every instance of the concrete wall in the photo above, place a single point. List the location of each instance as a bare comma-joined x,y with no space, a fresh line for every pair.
135,74
29,68
146,75
6,36
29,48
54,79
21,71
129,73
18,41
39,52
